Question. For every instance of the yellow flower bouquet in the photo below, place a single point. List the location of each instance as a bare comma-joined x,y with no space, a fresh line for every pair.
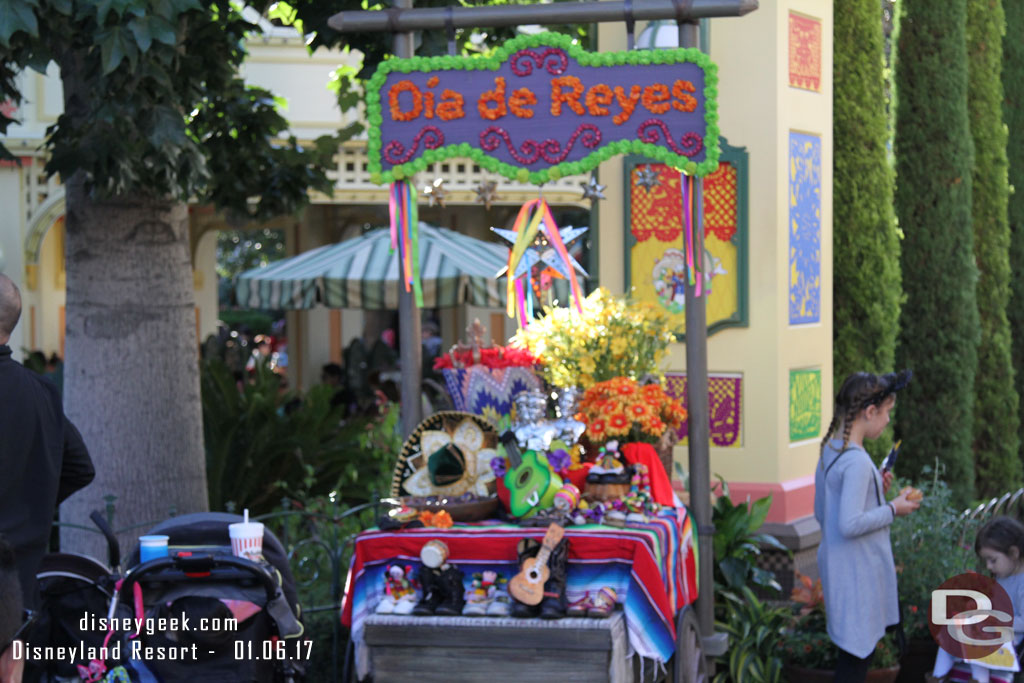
612,337
621,409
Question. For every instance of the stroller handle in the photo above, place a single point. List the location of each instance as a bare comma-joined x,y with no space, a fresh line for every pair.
113,548
207,565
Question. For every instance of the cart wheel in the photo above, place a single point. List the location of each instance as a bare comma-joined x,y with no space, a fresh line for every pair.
690,665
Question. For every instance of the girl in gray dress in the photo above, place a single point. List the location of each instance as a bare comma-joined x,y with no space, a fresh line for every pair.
858,575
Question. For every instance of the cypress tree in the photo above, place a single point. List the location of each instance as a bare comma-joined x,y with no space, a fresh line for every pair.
938,336
1013,114
996,420
866,287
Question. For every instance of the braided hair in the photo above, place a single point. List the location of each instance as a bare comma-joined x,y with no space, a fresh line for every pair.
860,390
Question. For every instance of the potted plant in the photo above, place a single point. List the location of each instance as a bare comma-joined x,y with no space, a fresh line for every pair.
756,630
808,652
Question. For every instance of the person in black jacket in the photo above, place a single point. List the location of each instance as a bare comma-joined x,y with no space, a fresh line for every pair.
11,616
43,459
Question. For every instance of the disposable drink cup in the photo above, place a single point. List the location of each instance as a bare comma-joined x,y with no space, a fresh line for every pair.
247,539
152,547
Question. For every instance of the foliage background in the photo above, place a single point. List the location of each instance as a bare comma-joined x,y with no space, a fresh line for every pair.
1013,114
939,320
867,287
996,408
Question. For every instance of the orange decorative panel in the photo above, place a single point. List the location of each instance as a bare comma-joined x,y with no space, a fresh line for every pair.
657,212
804,52
720,211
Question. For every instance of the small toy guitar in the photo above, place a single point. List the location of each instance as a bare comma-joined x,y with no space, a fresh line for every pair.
528,585
529,478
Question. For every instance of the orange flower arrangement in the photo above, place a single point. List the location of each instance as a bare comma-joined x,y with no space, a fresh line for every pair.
620,408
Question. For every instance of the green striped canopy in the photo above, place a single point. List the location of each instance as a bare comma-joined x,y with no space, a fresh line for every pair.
362,272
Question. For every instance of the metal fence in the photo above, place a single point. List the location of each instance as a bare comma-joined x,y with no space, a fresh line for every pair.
319,541
971,519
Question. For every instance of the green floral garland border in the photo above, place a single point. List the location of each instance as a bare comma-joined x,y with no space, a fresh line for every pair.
584,58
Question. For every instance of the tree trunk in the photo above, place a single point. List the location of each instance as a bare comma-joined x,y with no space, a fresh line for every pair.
131,382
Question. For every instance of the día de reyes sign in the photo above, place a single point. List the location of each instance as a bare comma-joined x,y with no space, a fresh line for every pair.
541,108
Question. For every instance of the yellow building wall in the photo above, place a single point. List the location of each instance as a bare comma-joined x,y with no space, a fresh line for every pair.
758,110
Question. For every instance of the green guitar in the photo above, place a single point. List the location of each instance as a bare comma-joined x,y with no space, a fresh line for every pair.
530,480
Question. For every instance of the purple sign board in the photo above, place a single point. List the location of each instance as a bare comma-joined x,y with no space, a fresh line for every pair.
541,107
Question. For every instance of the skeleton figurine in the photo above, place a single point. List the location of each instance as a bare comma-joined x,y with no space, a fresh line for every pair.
532,428
569,428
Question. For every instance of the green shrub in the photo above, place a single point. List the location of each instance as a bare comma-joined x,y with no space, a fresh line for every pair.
866,283
756,631
1013,114
939,319
737,544
996,420
263,444
925,548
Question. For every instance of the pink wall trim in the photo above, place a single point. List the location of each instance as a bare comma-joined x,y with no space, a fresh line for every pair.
791,499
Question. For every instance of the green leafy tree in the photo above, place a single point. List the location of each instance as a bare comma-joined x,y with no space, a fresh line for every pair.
939,320
155,114
1013,114
867,288
996,406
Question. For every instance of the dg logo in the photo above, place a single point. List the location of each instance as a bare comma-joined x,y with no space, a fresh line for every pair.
971,616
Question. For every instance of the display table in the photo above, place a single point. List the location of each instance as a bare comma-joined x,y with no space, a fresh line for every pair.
651,565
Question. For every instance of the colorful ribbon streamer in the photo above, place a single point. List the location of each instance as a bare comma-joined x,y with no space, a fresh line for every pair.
532,216
692,236
405,236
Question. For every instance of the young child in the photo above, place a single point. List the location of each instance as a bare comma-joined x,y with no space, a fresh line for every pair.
1000,545
858,575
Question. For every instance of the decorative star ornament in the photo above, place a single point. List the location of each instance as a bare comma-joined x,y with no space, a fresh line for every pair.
487,193
648,178
593,191
541,251
435,192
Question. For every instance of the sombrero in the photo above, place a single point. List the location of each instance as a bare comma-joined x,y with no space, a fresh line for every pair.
447,455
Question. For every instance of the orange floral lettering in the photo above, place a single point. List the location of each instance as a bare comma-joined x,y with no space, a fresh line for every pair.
497,96
571,97
519,100
628,104
396,110
685,102
656,98
450,107
598,95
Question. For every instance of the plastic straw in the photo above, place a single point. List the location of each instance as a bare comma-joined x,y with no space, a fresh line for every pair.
245,515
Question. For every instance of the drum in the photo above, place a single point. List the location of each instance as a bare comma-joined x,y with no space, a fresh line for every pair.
434,553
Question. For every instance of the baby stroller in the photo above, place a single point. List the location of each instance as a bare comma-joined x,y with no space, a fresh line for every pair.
72,586
211,616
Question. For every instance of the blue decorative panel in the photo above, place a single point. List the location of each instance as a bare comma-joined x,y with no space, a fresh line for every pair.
804,228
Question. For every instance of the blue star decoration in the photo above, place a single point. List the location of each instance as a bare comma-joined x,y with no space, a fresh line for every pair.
542,251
